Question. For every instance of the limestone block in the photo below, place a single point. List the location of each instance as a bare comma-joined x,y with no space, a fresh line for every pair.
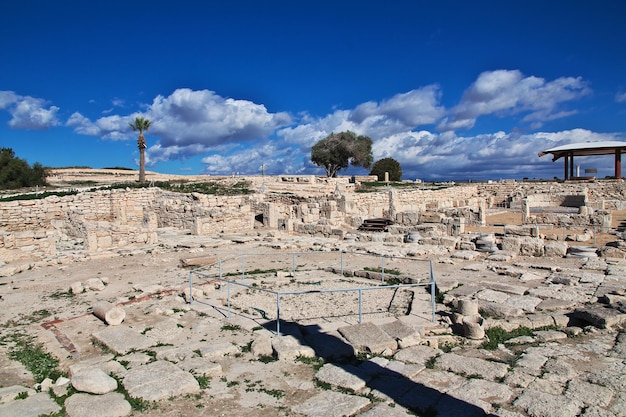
196,293
77,288
94,284
93,381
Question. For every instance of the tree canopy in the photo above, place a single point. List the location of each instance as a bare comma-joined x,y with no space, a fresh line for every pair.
389,165
16,173
339,150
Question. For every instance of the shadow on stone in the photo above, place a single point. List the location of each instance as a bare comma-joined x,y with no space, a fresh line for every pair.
386,381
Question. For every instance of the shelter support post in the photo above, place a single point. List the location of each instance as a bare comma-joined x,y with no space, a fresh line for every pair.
571,165
618,163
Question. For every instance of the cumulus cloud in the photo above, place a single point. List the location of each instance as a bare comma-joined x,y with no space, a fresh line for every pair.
188,117
507,92
28,112
407,110
113,127
188,122
619,97
496,155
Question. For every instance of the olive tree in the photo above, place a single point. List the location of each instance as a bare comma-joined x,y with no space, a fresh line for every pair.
389,165
339,150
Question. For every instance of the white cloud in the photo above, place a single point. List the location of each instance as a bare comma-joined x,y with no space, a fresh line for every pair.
620,97
188,122
28,112
448,156
415,108
189,117
111,127
507,92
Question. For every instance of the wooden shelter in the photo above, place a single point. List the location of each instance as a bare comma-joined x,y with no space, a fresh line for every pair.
568,152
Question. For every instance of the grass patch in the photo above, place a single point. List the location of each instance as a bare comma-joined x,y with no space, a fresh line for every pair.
34,358
430,363
497,335
230,327
267,358
276,393
316,362
390,271
204,381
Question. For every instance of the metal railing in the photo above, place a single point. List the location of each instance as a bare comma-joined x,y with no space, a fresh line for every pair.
342,269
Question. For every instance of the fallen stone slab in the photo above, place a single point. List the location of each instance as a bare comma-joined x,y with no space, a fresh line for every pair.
464,365
532,362
504,287
417,354
331,403
8,394
493,296
384,410
289,348
122,339
549,335
159,380
552,304
367,337
104,362
524,302
108,405
176,354
588,393
482,394
93,381
345,376
31,406
197,261
327,344
200,366
213,351
405,335
600,316
541,404
497,310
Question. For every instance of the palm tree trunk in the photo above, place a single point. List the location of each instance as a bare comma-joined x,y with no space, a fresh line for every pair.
141,144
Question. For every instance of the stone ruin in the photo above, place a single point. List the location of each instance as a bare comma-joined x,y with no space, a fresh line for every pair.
92,223
405,367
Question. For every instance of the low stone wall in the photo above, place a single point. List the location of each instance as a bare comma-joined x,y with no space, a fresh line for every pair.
109,219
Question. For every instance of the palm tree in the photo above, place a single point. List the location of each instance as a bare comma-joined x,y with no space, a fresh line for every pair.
141,124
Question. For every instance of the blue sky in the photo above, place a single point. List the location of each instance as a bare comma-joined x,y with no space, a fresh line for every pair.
451,89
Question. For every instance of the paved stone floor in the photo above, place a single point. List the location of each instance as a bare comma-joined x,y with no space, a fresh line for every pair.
169,358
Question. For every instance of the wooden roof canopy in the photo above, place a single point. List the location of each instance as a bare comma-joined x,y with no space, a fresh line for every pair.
567,152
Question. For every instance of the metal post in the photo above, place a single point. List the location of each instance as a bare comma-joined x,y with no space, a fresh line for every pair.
278,314
341,263
360,305
190,287
228,288
432,289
